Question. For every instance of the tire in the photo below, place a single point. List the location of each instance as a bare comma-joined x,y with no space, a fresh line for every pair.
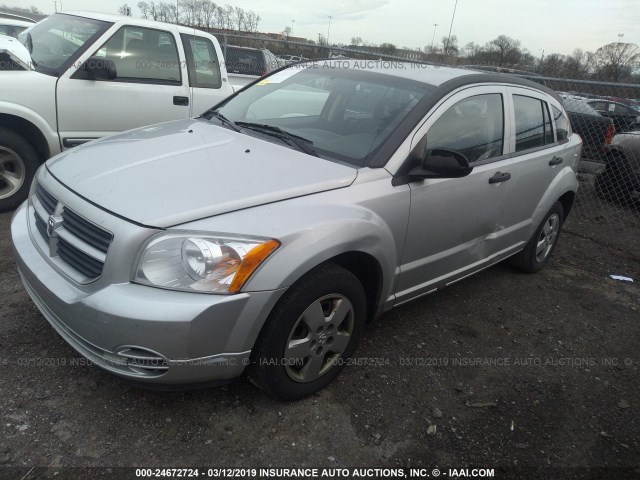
312,329
18,164
538,251
618,180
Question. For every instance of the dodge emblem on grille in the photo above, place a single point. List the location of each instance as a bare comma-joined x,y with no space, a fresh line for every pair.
51,226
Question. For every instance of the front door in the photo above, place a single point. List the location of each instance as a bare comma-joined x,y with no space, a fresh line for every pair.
151,87
454,224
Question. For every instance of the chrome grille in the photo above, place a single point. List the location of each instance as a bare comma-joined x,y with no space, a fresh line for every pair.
80,244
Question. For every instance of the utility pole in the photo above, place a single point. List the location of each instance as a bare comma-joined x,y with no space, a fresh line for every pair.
328,32
292,23
451,28
435,25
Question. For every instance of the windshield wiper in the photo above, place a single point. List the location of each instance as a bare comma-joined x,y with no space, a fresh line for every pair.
292,139
222,118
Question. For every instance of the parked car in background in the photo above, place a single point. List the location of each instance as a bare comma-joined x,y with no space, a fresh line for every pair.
12,27
246,64
288,59
78,76
625,117
261,237
620,180
595,130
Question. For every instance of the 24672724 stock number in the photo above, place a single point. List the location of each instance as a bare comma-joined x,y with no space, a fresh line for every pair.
195,472
362,361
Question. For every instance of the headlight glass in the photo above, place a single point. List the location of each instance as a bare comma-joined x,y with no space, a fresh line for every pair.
198,262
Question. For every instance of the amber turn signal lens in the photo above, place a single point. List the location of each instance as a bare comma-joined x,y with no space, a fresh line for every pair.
251,262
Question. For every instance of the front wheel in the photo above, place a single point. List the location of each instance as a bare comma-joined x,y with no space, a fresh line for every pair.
312,330
537,252
18,164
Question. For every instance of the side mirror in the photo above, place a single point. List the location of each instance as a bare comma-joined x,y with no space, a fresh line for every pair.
99,68
442,164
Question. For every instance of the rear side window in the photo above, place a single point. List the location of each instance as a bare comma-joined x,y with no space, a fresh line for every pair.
202,62
562,124
533,128
245,61
473,126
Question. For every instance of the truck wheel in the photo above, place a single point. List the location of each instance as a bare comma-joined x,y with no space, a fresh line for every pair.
18,164
310,333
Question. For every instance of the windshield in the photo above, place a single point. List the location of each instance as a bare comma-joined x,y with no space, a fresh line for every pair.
578,106
344,113
11,30
57,39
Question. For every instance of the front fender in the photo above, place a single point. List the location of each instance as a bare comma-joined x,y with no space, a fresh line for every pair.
50,135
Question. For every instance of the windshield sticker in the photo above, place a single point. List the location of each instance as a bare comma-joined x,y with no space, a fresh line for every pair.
280,76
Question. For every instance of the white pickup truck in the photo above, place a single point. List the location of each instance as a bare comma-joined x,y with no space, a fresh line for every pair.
78,76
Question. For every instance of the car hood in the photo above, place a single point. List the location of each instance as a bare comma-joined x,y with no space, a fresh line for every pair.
16,51
176,172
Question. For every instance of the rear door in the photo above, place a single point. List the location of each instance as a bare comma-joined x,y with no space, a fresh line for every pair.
151,86
208,82
539,153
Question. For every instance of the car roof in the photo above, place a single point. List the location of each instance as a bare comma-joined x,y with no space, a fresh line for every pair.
15,23
448,78
140,22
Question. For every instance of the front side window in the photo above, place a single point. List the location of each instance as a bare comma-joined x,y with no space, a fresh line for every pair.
473,127
202,62
562,124
143,55
532,126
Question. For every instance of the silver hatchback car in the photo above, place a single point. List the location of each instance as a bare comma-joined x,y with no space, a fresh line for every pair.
261,237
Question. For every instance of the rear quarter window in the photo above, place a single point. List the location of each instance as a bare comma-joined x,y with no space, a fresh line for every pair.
561,124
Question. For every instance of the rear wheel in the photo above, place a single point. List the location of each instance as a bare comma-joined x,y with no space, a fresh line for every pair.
537,252
618,180
311,331
18,164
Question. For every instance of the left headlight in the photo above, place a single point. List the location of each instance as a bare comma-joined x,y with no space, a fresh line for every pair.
200,262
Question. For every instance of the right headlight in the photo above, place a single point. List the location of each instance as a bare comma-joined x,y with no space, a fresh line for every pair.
201,262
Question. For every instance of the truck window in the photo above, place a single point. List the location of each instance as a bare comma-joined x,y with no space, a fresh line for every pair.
202,62
143,55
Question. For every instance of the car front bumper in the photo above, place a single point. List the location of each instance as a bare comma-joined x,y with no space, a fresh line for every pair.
141,333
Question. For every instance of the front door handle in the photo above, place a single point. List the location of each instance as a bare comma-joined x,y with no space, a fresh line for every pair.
500,177
555,161
181,101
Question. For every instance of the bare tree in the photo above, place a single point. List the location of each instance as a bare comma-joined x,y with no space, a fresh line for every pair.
229,17
208,12
471,50
356,41
144,9
388,48
251,20
578,64
124,9
617,61
238,15
507,49
450,45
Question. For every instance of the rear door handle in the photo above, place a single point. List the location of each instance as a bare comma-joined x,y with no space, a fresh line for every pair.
181,101
555,161
500,177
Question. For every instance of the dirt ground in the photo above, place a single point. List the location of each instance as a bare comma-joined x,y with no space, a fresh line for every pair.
501,370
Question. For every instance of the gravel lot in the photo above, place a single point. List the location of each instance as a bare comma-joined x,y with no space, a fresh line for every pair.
500,370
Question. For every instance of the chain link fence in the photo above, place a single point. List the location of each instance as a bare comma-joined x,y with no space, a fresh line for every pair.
605,115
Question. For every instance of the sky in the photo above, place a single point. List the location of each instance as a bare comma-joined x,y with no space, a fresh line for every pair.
552,26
